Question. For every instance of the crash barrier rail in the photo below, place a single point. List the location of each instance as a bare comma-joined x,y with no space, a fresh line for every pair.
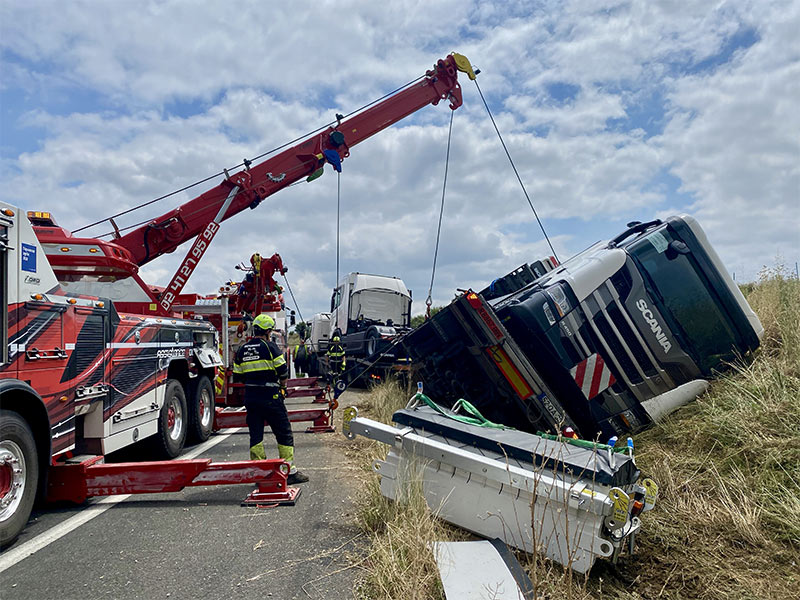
79,480
306,400
568,503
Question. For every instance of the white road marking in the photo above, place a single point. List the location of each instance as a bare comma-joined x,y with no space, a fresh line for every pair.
9,558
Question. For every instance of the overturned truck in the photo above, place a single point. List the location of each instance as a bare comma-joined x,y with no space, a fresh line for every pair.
606,343
600,346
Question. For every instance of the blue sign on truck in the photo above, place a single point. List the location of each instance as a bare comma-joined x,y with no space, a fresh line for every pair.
28,258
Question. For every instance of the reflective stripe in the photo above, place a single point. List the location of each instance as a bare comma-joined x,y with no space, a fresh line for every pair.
258,365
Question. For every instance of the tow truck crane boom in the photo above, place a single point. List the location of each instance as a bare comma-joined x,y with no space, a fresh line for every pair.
202,216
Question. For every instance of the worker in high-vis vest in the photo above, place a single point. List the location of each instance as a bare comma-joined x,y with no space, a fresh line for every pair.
301,358
262,368
337,361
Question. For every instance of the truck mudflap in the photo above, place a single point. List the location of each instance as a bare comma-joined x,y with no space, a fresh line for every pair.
551,502
465,352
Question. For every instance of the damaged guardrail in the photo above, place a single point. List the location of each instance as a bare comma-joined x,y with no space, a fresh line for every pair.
566,501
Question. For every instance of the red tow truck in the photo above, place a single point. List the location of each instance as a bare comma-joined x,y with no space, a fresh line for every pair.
92,359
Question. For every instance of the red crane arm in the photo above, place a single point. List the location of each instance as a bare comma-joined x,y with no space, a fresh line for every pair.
257,182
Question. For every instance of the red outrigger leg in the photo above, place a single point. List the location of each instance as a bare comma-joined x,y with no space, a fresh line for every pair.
90,478
317,407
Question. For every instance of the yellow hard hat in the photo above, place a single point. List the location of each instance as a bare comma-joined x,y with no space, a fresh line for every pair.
264,322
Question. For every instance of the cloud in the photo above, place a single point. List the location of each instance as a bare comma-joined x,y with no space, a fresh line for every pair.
611,112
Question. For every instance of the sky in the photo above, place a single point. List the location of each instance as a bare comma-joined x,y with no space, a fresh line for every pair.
611,112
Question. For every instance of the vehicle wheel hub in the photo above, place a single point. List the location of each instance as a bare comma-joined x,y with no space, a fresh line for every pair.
206,408
12,478
174,420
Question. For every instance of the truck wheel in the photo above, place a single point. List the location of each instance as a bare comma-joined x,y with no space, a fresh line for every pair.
172,420
373,338
313,366
201,410
19,475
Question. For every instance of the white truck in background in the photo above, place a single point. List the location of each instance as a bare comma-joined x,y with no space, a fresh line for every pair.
368,313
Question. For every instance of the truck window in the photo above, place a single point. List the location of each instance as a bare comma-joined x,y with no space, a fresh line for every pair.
688,299
117,287
337,297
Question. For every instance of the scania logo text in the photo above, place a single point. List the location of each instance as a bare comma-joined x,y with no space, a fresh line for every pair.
648,316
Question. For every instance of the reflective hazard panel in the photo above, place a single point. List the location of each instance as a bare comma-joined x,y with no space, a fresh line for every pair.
621,501
350,413
650,495
592,376
509,371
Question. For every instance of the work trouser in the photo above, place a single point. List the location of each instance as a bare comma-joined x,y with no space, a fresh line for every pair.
266,404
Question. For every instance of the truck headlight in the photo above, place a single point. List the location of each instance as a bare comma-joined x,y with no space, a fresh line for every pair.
558,296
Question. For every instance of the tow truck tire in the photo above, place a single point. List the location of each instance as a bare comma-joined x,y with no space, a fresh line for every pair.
19,475
172,421
201,410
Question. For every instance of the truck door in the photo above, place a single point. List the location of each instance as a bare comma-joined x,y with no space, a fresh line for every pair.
88,367
42,362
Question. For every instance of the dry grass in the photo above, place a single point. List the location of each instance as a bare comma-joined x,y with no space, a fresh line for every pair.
727,524
400,565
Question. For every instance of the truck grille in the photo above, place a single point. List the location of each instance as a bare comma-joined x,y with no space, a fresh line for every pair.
611,333
617,350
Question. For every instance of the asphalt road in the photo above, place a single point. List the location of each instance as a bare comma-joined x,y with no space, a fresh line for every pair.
200,543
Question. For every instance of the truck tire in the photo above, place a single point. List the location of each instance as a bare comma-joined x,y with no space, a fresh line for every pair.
372,342
172,421
201,410
19,475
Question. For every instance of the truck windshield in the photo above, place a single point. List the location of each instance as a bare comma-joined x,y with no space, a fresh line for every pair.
123,288
380,305
684,293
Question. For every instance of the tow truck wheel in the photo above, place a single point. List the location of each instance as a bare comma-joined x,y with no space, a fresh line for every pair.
201,410
172,420
19,475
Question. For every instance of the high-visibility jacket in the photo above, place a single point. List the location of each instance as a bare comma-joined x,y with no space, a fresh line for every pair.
300,353
260,363
335,351
336,356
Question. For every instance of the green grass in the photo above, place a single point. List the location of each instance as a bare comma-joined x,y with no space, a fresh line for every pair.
727,523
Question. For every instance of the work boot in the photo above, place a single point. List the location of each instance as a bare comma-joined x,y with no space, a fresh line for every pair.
296,477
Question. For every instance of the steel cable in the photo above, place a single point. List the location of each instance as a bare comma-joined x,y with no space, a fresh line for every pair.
291,293
513,166
429,299
241,164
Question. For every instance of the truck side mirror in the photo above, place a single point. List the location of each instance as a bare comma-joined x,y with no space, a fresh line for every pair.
292,319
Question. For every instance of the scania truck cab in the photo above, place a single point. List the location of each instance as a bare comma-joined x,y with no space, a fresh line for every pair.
619,334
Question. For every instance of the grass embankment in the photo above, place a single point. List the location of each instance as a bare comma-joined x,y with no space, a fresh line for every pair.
727,523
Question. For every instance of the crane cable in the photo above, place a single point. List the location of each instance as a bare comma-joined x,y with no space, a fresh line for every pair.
244,163
338,209
291,293
429,299
513,166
